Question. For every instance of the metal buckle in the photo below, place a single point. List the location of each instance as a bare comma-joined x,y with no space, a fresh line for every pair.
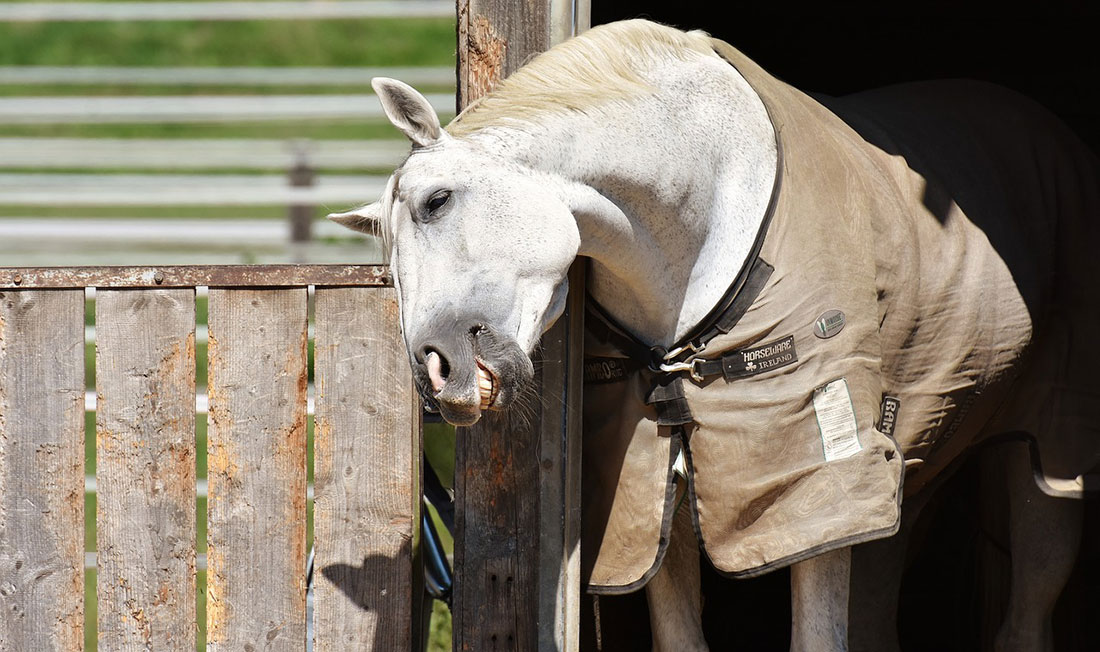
690,346
689,366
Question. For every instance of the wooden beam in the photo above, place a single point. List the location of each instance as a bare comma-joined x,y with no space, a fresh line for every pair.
145,468
367,512
256,542
42,470
517,479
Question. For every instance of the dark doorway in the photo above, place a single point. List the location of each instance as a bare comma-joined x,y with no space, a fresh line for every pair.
1044,50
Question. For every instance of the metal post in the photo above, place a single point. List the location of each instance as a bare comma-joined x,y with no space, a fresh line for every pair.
301,175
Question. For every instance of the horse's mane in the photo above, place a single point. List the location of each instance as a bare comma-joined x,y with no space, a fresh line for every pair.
599,66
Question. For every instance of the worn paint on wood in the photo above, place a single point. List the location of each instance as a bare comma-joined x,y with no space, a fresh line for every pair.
145,468
257,470
517,478
367,511
41,470
497,534
165,276
496,37
560,475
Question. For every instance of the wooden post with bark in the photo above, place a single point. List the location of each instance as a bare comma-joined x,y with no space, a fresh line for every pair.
517,478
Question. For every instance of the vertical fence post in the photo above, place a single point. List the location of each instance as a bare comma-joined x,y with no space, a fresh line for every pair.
41,470
256,557
367,508
517,482
301,175
145,471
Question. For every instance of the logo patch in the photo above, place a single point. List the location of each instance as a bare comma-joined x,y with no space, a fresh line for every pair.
828,324
889,418
757,360
604,370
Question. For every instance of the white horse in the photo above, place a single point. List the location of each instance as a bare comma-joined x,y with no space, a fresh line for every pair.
642,149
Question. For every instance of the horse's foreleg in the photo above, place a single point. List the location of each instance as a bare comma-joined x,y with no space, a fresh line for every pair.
675,602
877,571
1044,535
819,602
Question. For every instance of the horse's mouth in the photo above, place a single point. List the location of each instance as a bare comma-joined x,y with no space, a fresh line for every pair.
488,386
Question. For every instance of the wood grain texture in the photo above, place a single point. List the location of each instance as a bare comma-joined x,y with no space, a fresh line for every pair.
145,468
41,470
257,470
495,37
367,507
517,480
560,475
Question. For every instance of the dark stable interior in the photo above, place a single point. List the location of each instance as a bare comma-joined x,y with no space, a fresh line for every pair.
954,589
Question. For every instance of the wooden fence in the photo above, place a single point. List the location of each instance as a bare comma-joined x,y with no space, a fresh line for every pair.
366,462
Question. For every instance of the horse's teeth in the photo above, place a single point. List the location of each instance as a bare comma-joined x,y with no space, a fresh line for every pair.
485,384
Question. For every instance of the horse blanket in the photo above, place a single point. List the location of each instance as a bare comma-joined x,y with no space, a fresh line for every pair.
934,281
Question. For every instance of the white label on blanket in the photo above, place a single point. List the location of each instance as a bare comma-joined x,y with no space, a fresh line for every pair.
837,420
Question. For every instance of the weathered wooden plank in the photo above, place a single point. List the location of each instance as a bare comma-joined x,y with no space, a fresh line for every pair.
497,534
192,275
367,510
495,37
257,470
41,470
517,486
145,468
560,476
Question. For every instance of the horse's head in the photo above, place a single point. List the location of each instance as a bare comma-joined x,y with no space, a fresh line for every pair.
479,249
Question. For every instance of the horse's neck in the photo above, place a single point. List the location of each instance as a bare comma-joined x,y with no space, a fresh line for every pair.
668,197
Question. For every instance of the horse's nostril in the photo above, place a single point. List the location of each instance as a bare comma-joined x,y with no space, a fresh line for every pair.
438,369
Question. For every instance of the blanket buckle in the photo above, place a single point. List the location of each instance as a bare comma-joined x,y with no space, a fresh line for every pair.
691,366
690,346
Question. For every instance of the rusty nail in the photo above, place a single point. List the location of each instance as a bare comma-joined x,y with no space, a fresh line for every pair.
158,277
17,279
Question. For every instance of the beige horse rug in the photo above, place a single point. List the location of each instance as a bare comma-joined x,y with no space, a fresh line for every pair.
928,278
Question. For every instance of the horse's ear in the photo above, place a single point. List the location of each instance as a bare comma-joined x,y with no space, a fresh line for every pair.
366,219
409,111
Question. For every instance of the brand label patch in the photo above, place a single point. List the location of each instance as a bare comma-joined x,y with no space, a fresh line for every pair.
604,370
829,323
757,360
889,418
836,418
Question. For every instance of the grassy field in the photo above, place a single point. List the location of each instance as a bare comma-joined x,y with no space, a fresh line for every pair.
359,42
375,42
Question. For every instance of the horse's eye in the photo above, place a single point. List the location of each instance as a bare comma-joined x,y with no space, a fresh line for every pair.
436,201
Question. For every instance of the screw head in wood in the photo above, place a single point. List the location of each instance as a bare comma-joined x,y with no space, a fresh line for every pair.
17,279
158,278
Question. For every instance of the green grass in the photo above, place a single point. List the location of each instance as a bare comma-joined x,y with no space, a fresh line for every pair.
439,447
360,42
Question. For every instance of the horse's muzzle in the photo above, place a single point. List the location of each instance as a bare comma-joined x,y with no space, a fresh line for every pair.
468,368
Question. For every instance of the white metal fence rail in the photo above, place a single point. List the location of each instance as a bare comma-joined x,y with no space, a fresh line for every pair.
197,108
200,153
150,11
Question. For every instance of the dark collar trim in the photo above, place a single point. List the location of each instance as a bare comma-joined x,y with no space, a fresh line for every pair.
741,294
